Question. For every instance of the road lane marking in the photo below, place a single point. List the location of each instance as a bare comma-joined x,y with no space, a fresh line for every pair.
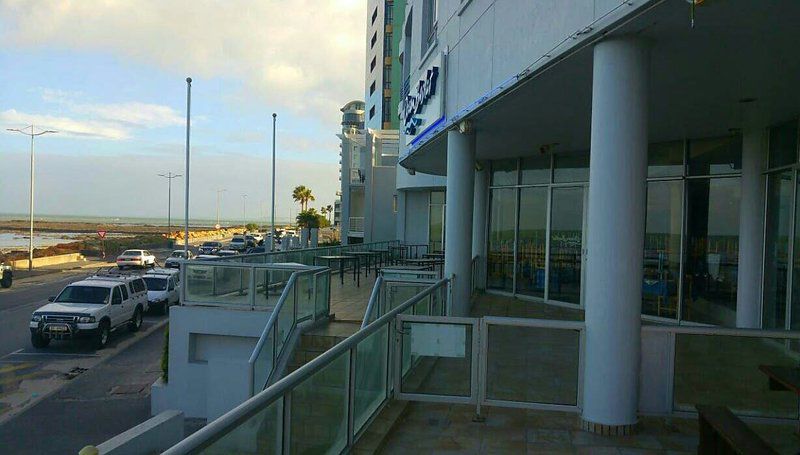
12,353
56,353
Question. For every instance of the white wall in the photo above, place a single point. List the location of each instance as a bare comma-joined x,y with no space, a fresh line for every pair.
208,353
416,219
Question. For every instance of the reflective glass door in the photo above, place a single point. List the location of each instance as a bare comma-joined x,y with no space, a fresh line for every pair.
566,243
532,241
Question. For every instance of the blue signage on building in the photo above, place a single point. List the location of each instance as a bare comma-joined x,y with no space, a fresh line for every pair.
413,104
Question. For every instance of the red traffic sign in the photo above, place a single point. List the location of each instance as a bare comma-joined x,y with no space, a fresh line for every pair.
102,234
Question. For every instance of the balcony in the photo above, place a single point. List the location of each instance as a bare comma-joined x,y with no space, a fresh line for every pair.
356,225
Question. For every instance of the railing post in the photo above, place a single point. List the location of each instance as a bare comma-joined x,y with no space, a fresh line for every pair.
252,288
286,428
351,402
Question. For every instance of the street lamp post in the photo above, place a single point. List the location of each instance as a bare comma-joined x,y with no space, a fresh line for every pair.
272,234
244,213
32,135
169,176
186,196
219,192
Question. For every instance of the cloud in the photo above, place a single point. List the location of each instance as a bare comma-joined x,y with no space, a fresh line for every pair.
134,114
303,55
87,129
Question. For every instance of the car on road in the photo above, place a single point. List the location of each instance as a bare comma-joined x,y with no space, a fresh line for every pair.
237,243
91,308
223,253
258,249
6,275
257,236
210,247
206,257
136,258
174,259
163,289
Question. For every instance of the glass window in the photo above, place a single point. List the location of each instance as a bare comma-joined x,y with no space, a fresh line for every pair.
722,155
532,241
500,257
504,172
712,251
436,227
795,319
776,248
437,197
665,159
571,167
662,248
535,169
783,144
566,240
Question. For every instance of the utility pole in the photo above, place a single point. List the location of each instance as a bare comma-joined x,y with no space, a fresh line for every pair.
169,176
32,135
219,192
244,213
272,234
186,196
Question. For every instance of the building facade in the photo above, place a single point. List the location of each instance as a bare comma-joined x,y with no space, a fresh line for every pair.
614,157
382,76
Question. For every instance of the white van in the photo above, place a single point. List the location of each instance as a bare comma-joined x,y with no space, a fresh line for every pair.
163,289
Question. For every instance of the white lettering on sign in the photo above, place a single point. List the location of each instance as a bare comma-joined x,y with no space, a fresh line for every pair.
413,104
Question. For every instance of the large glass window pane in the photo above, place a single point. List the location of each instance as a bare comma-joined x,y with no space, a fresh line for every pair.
319,409
436,227
665,159
712,251
566,238
721,155
783,144
370,375
500,258
776,248
504,172
259,434
532,241
441,367
662,248
571,167
795,316
535,169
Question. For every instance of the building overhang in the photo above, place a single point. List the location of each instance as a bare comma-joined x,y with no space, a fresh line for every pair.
738,67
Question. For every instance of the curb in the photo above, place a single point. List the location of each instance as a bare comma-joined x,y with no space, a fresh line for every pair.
122,348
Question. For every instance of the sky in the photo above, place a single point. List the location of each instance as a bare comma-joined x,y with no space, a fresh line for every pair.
109,76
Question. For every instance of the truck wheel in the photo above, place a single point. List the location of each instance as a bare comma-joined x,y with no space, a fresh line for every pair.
163,309
101,338
5,282
136,321
38,341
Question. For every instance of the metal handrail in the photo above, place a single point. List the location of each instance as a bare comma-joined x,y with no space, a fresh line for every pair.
303,250
273,318
217,428
373,298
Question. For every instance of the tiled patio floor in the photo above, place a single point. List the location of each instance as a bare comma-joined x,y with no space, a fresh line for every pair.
348,301
447,428
507,306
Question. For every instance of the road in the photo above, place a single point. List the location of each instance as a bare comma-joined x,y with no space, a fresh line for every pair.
92,408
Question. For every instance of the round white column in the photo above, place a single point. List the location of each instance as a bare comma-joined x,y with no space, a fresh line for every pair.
751,225
615,237
458,218
479,218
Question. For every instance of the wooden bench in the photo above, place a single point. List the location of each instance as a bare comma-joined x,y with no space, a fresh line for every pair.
721,432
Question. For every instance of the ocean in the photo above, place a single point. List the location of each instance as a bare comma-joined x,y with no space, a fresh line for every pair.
133,221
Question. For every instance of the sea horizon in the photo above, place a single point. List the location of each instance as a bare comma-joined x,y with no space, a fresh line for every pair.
134,221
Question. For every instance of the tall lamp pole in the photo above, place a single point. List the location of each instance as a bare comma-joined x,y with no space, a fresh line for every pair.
32,135
244,213
169,176
186,196
272,234
219,192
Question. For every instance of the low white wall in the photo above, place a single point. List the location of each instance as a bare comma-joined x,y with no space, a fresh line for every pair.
208,352
151,436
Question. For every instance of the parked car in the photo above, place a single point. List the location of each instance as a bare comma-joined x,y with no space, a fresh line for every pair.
6,275
223,253
174,259
258,249
252,241
210,247
136,258
205,257
163,289
92,308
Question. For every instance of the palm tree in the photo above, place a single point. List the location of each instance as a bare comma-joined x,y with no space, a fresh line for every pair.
329,209
302,195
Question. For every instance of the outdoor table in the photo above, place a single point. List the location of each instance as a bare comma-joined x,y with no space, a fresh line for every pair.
368,255
431,263
433,256
342,259
413,249
401,252
381,254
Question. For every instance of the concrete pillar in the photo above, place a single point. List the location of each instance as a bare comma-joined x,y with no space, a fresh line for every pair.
458,214
751,230
616,212
480,198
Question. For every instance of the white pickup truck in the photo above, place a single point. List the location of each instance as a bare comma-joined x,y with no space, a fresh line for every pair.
91,308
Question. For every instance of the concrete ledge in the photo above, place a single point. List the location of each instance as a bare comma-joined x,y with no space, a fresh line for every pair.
151,436
48,260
